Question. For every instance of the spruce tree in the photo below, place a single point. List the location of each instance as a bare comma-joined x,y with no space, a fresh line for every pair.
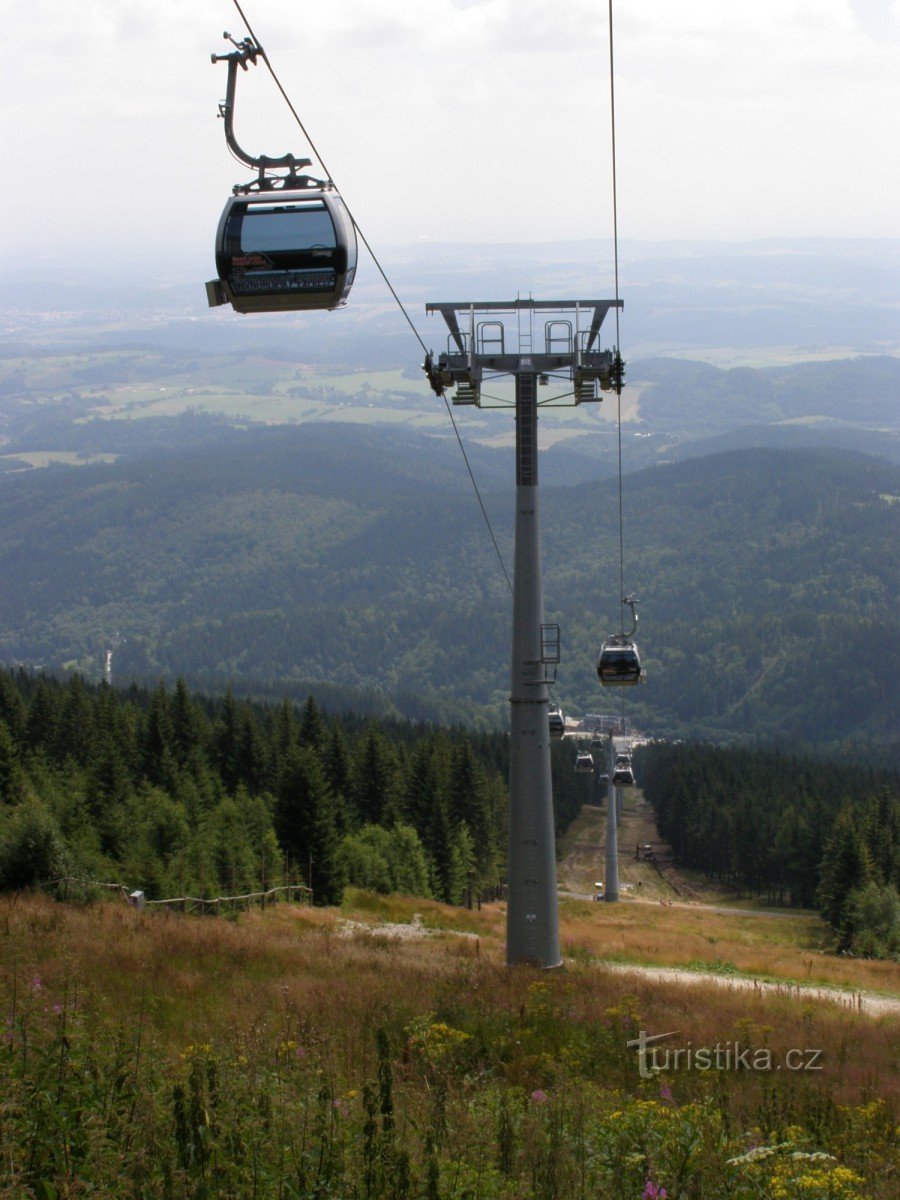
313,729
304,816
845,867
188,723
158,743
374,787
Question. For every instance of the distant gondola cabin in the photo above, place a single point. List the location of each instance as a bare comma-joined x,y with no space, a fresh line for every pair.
556,722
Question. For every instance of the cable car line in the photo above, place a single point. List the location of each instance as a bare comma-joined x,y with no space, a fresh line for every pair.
618,373
260,52
619,662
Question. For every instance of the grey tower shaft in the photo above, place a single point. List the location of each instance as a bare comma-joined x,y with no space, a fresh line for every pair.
532,923
613,797
493,340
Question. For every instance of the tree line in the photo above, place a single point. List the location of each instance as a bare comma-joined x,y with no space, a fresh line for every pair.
799,831
180,794
322,555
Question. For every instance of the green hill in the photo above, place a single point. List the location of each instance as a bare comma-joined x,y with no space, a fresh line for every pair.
359,557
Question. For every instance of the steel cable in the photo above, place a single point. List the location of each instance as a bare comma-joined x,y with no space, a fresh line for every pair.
389,285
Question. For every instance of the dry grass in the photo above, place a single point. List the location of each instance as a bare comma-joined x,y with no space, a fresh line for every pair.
779,945
782,947
212,980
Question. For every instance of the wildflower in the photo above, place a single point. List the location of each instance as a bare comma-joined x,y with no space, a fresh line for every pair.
341,1108
57,1009
539,1096
652,1192
665,1092
37,983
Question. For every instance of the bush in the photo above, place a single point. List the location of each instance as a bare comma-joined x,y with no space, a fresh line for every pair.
874,916
31,848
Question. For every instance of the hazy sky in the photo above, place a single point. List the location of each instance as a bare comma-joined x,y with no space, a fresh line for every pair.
455,120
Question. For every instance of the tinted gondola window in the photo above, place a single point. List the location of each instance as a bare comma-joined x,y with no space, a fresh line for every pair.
282,229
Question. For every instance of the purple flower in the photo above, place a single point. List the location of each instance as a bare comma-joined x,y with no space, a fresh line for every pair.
37,983
539,1096
57,1008
652,1192
665,1092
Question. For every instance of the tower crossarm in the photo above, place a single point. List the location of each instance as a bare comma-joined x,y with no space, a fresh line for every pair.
496,342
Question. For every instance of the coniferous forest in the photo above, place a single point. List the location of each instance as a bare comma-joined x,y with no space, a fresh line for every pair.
796,831
175,795
178,794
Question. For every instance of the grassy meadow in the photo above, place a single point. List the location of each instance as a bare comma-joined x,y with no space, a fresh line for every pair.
384,1050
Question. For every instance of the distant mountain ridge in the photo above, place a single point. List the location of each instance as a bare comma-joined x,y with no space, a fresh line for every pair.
358,557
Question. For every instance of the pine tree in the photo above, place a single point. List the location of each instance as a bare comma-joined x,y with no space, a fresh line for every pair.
338,771
188,724
158,742
13,710
304,817
42,721
313,729
12,780
844,868
282,740
426,778
226,740
375,782
75,727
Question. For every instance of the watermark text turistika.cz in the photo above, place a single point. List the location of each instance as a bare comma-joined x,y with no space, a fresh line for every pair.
654,1059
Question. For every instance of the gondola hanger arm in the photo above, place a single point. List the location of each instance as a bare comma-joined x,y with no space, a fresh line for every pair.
630,602
247,51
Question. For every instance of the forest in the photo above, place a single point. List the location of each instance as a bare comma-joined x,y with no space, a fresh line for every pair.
180,794
174,794
797,831
353,558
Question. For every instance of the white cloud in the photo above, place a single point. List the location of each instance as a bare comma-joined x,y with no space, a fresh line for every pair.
468,119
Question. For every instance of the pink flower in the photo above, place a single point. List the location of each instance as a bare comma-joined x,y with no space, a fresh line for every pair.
37,983
652,1192
539,1096
665,1092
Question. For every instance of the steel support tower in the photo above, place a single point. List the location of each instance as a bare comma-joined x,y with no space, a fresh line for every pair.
613,799
492,341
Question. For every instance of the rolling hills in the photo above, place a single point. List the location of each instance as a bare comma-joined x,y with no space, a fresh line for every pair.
357,557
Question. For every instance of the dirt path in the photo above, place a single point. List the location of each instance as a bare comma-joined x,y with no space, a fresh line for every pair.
870,1003
584,855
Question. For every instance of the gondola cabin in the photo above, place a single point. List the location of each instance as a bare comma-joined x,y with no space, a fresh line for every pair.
619,663
623,776
603,780
279,251
556,721
584,764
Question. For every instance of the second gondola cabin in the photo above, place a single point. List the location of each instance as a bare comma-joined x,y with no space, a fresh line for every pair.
619,663
282,251
556,722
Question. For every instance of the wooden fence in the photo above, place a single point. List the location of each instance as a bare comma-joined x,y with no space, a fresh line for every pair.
198,905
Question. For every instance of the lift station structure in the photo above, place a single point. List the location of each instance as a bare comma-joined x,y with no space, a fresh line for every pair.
490,341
